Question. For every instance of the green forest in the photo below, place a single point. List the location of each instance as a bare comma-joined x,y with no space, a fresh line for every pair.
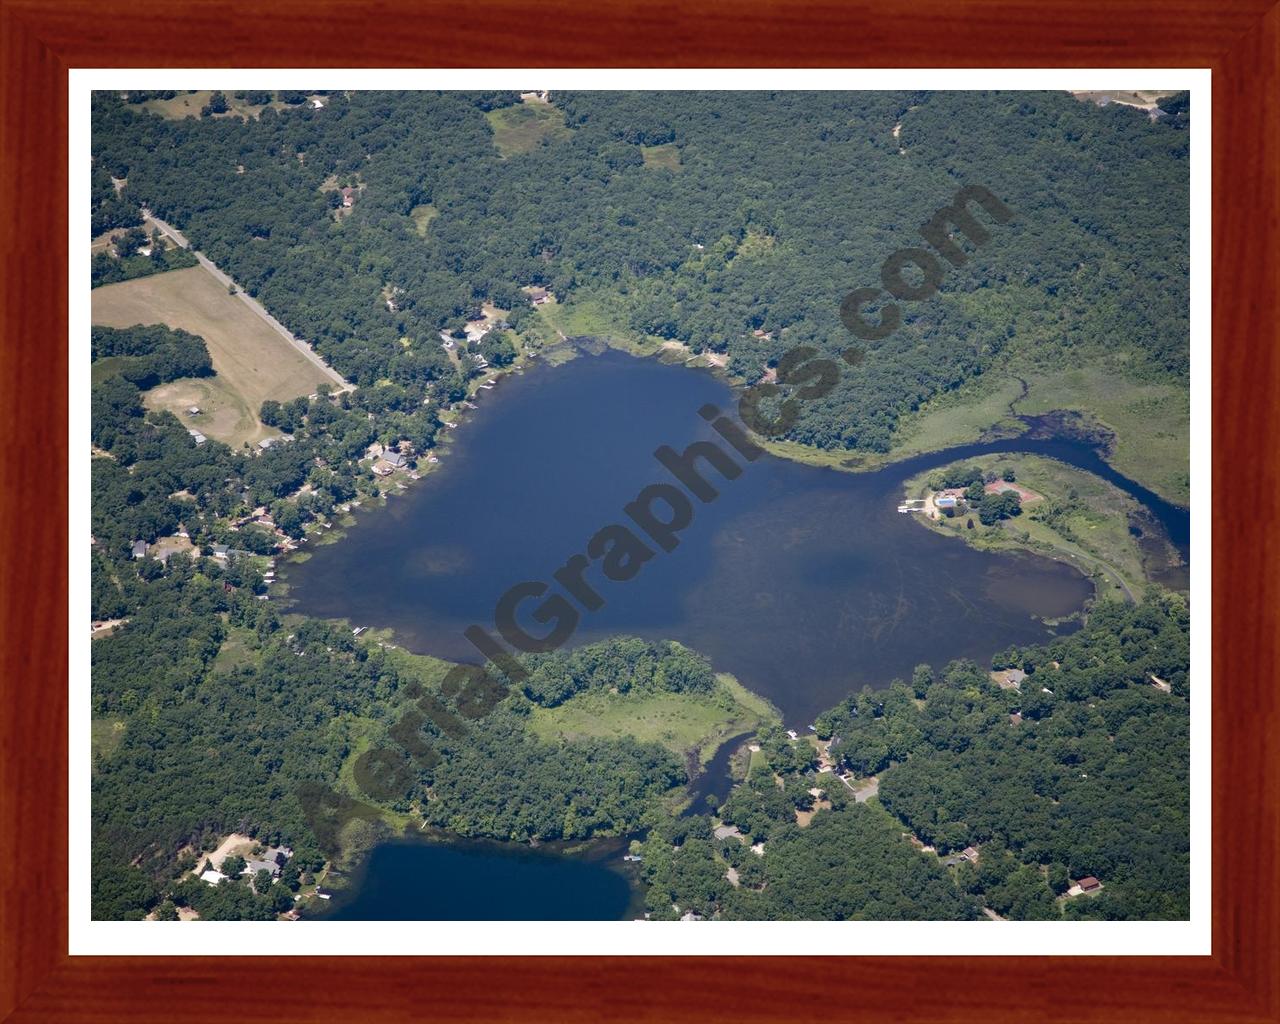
779,205
733,223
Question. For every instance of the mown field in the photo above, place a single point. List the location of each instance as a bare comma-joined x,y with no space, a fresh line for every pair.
252,362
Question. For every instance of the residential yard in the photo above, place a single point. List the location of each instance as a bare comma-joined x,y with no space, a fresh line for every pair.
678,721
251,361
1082,519
519,128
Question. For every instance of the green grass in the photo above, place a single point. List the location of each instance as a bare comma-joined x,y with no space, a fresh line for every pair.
239,649
105,735
597,314
109,366
666,155
422,217
520,128
958,417
678,721
1094,536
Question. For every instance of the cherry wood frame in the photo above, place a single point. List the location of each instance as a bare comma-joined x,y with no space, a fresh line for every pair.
40,39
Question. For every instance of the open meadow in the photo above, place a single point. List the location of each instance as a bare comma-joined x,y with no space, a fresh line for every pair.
251,361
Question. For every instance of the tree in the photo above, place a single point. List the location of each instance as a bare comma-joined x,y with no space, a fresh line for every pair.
1008,475
166,911
261,881
233,865
217,105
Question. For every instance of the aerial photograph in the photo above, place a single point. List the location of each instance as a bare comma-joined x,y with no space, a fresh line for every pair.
639,505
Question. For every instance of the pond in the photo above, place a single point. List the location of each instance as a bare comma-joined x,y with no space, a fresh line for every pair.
804,582
480,880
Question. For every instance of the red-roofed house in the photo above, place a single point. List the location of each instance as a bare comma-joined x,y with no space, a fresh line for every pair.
348,196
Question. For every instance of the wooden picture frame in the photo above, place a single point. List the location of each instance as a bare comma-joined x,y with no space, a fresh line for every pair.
1238,39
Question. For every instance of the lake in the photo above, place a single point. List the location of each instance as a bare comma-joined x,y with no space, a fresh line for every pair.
479,880
804,582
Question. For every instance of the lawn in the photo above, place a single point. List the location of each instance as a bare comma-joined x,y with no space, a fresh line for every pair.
666,155
251,360
520,128
678,721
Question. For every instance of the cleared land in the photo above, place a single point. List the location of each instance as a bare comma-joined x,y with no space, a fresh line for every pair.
252,361
679,721
422,217
666,155
189,104
518,129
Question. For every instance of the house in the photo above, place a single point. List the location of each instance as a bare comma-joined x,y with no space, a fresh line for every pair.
727,831
139,549
220,551
969,853
1089,884
268,865
212,877
196,436
324,894
394,459
537,295
348,196
193,410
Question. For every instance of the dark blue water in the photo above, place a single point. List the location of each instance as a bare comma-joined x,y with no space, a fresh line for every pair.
411,880
806,583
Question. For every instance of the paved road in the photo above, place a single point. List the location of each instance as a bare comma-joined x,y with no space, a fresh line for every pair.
252,303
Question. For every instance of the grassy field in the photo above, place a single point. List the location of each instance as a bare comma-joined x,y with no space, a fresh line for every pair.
252,361
666,155
959,417
422,217
189,104
1151,422
105,735
1092,533
679,721
518,129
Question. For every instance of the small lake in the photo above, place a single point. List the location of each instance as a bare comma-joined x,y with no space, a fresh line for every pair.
478,880
806,583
